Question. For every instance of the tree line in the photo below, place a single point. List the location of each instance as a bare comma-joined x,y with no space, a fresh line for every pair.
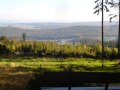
14,47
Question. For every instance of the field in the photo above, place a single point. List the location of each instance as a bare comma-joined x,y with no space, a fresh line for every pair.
16,72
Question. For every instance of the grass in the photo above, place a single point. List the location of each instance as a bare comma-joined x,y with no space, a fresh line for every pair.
16,72
53,64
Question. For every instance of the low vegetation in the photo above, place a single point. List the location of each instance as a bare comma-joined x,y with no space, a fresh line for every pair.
14,48
16,72
61,64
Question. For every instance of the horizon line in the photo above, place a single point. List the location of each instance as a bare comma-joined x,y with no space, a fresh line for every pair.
18,21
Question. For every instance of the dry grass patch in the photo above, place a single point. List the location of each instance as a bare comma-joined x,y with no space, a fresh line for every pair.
13,78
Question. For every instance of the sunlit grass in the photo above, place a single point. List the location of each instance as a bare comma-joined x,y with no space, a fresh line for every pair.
16,72
54,63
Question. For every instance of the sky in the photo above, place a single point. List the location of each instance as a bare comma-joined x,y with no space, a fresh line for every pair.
49,11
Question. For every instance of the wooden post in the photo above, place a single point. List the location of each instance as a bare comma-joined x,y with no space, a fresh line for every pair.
40,88
106,86
69,88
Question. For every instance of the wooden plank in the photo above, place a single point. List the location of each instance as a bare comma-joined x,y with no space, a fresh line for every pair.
75,79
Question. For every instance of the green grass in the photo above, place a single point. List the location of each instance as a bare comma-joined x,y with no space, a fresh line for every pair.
16,72
54,64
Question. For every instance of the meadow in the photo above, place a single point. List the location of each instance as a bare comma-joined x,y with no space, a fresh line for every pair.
16,72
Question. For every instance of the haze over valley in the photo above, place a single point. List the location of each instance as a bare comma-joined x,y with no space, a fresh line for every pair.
59,31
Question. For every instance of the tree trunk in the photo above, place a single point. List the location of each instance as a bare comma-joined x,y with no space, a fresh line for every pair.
119,33
102,32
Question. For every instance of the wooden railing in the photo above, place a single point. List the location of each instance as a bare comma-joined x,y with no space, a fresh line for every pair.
76,79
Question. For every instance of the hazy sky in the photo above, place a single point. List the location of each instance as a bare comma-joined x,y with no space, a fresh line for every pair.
48,10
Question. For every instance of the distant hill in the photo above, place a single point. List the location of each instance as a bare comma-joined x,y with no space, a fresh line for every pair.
58,31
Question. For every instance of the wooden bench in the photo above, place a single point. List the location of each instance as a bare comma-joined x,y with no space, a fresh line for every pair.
76,79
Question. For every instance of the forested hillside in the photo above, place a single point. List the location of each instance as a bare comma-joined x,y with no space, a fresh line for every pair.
52,32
